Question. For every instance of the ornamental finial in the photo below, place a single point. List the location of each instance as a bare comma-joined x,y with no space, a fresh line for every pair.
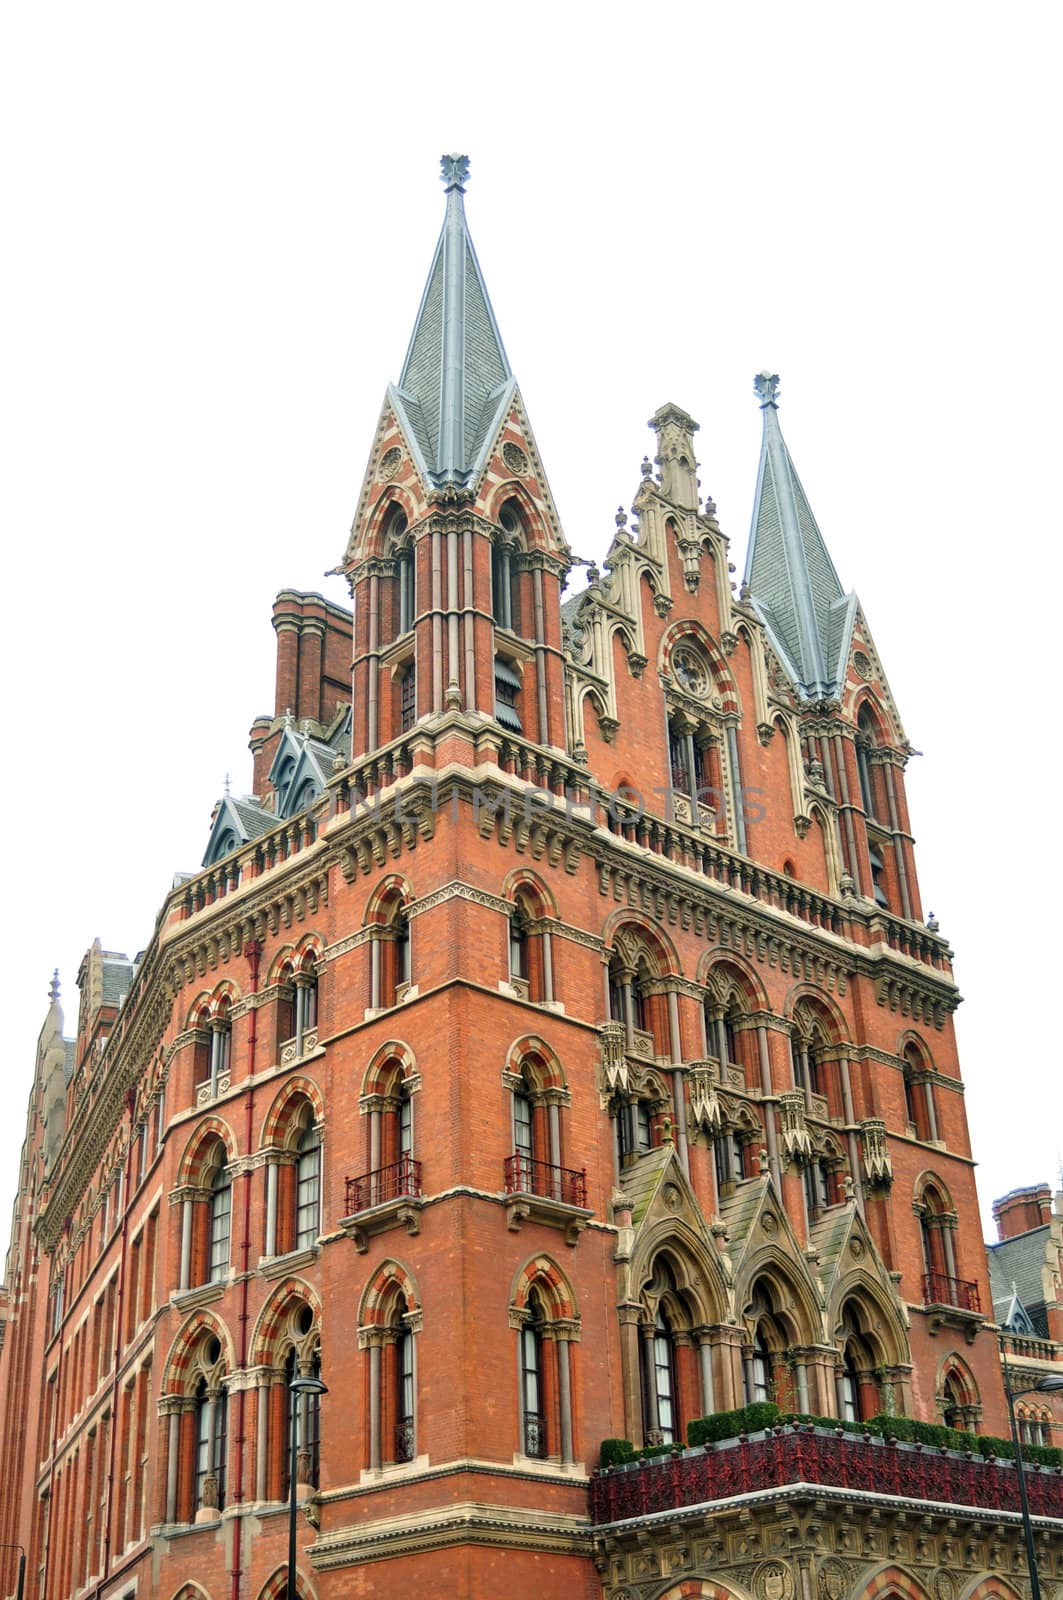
766,385
455,172
53,987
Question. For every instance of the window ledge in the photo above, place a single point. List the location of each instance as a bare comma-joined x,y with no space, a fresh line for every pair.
291,1261
204,1294
392,1472
550,1467
405,1211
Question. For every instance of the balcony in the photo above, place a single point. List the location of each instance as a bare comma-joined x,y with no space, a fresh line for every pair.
814,1456
525,1176
941,1290
540,1192
386,1198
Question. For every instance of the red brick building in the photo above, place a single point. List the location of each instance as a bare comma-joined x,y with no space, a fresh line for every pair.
552,1049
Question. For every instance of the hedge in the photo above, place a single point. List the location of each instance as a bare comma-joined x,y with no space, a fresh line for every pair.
729,1424
764,1414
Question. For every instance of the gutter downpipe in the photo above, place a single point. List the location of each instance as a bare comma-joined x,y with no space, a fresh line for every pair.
254,956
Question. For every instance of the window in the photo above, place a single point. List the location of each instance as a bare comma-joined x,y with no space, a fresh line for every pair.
761,1386
304,1414
220,1225
504,552
308,1188
533,1419
211,1409
389,1319
865,742
390,954
817,1187
685,759
664,1378
952,1410
407,698
918,1094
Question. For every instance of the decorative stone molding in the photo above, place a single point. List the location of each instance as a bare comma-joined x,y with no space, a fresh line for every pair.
796,1139
706,1111
878,1169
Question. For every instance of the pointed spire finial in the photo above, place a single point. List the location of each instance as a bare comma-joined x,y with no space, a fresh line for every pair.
53,987
766,385
228,782
455,172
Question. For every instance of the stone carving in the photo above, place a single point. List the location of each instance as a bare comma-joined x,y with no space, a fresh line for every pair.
515,459
705,1109
773,1581
797,1141
390,463
613,1071
877,1165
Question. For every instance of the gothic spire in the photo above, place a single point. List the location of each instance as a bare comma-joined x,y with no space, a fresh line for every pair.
456,382
790,576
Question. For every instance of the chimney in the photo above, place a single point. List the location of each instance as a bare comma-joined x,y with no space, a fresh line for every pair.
1022,1210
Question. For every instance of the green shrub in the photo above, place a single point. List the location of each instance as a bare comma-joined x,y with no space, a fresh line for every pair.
729,1424
649,1450
800,1418
1044,1455
614,1451
908,1431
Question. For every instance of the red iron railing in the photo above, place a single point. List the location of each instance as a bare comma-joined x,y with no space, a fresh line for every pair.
401,1177
799,1455
525,1176
941,1290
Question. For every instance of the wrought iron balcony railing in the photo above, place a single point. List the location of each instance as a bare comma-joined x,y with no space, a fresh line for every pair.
941,1290
807,1455
535,1435
399,1178
523,1175
404,1439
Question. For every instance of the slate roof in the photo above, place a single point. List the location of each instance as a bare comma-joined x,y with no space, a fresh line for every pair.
1020,1261
791,577
456,384
117,978
253,819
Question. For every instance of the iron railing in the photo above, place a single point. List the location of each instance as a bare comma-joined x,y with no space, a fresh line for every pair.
941,1290
535,1435
807,1455
523,1175
404,1439
401,1177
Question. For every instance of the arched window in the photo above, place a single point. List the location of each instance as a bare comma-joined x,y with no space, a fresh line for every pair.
399,609
952,1408
865,743
918,1094
197,1408
672,1390
761,1384
533,1411
387,1107
663,1379
305,1004
305,1416
504,551
390,953
390,1321
772,1368
858,1385
285,1007
941,1282
544,1316
530,956
213,1050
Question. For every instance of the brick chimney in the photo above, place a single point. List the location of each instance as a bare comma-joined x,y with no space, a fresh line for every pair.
1022,1210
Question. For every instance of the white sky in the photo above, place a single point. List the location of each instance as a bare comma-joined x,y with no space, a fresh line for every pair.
217,223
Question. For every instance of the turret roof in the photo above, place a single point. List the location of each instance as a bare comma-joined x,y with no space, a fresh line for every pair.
456,383
790,575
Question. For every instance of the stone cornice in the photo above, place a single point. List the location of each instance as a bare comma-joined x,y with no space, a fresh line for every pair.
468,1522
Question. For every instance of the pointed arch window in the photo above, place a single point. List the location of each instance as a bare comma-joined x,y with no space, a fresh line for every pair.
390,1343
504,550
918,1095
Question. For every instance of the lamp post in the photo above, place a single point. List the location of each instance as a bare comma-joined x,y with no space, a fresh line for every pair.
21,1585
1049,1384
297,1388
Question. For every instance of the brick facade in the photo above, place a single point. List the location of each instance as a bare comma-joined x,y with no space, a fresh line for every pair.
624,1103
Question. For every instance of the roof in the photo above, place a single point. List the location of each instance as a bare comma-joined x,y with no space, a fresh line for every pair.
790,575
117,977
456,385
1017,1265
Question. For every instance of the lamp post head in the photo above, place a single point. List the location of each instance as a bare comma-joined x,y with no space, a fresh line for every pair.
1048,1383
307,1386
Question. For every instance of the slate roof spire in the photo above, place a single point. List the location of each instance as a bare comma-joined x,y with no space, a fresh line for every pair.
790,576
456,382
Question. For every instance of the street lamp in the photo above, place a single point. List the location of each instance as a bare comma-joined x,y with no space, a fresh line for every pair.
297,1388
1051,1383
21,1585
